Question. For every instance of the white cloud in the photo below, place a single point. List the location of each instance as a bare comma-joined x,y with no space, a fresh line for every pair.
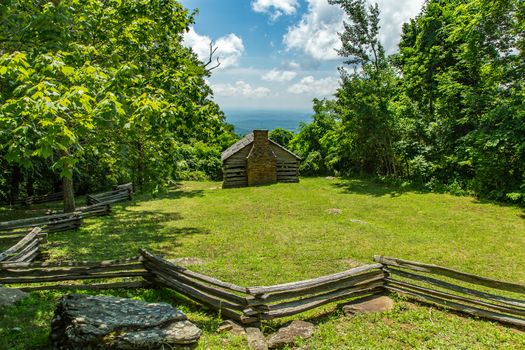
279,75
240,89
229,47
320,87
316,33
275,8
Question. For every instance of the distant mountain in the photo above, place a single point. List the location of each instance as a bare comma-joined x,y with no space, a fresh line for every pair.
245,121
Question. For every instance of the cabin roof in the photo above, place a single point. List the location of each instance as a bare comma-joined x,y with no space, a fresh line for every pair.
246,141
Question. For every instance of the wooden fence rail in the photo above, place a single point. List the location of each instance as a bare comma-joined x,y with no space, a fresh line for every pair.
47,276
493,305
249,305
253,304
70,221
25,250
119,193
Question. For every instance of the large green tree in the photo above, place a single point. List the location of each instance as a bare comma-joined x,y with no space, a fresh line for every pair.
103,90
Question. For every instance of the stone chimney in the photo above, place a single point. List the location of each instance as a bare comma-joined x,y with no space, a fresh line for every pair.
261,162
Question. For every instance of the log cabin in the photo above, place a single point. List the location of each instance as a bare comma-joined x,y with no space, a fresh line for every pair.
256,160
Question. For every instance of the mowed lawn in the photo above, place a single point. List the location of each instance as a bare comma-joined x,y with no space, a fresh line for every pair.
287,232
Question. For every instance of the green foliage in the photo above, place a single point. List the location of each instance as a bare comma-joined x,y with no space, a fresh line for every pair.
281,136
118,98
446,112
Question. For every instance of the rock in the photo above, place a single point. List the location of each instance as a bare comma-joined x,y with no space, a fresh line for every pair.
9,296
334,211
101,322
256,340
187,261
357,221
369,304
232,327
287,335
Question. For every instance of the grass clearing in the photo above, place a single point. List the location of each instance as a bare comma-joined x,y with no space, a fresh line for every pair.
287,232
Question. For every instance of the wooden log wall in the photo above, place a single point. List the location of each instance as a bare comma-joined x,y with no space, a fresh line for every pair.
25,250
483,297
253,304
49,275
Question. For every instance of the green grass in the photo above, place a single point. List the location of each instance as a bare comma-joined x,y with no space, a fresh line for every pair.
285,232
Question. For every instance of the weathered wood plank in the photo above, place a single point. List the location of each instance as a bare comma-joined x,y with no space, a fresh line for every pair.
351,281
448,296
70,263
32,235
195,292
98,286
311,282
36,272
305,306
493,297
68,277
471,310
202,298
152,258
463,276
153,268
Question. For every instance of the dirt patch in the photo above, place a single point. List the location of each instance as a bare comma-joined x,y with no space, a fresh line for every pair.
334,211
188,261
351,262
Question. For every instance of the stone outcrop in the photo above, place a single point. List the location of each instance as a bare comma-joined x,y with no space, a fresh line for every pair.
256,339
289,334
369,304
9,296
101,322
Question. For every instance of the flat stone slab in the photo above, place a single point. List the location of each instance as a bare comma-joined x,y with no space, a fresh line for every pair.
288,335
369,304
102,322
256,340
231,327
9,296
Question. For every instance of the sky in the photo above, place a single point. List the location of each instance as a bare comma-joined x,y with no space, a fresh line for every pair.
279,54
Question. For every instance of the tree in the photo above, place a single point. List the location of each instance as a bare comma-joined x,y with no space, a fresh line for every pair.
366,91
281,136
117,98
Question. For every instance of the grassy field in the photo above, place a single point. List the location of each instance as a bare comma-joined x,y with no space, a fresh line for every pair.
287,232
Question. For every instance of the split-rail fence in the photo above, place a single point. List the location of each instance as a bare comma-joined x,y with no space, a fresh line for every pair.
250,305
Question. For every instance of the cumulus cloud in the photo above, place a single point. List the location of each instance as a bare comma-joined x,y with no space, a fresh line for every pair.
320,87
275,8
316,33
229,47
279,75
241,89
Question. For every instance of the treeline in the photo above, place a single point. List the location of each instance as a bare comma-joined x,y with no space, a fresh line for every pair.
94,93
447,112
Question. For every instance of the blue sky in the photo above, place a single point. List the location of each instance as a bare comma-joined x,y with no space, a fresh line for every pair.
279,54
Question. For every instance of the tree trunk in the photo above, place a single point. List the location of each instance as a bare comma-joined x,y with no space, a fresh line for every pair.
16,177
69,195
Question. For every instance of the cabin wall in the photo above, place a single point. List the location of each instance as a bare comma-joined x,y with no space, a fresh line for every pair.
287,165
234,169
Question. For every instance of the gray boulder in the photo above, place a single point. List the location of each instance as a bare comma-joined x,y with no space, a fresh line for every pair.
369,304
9,296
288,335
101,322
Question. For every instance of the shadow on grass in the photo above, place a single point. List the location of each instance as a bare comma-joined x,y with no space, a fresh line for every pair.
120,235
369,188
